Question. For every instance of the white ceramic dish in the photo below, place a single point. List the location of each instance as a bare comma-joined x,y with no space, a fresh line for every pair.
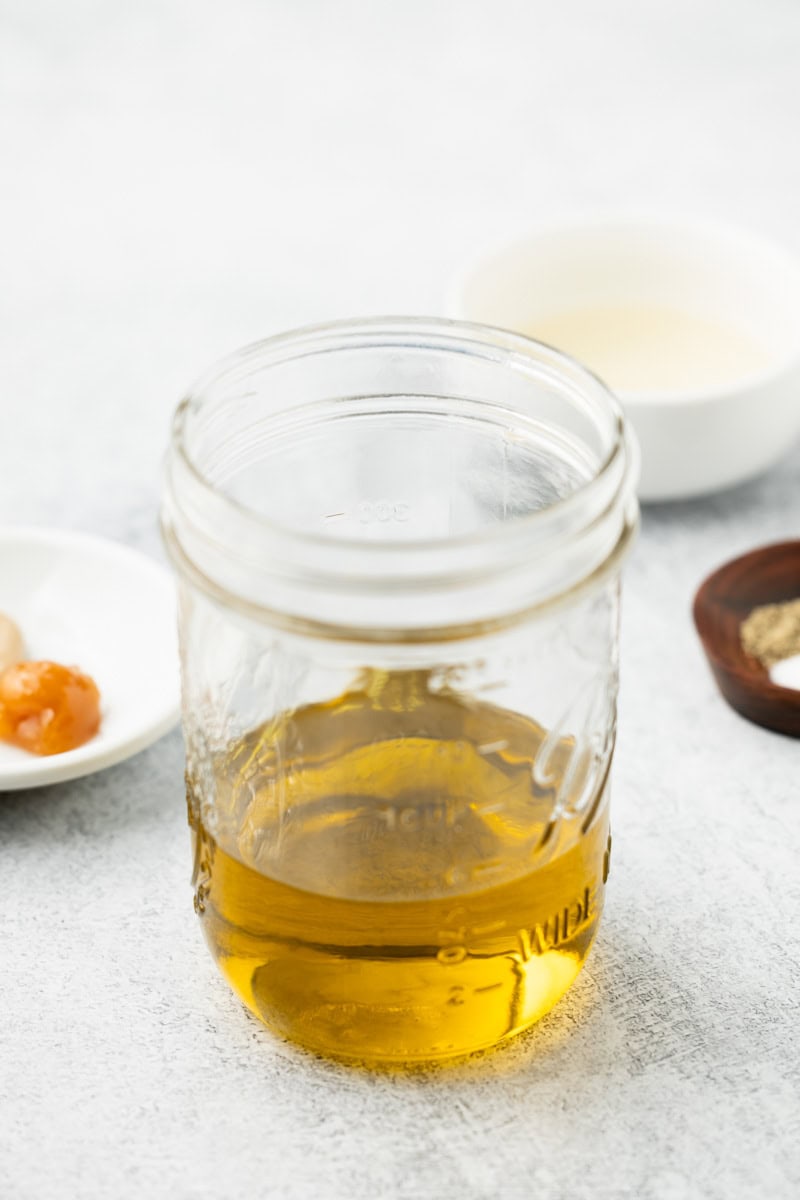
697,439
98,605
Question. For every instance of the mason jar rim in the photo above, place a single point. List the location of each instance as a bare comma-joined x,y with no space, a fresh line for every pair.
591,510
312,339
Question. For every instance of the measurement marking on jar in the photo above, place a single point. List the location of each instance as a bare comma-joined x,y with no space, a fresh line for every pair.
456,915
451,956
489,987
458,937
412,819
452,935
383,511
493,747
334,516
488,927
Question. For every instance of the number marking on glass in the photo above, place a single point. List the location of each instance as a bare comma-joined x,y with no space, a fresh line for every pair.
370,511
411,819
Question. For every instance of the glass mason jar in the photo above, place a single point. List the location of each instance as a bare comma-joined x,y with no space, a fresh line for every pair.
398,544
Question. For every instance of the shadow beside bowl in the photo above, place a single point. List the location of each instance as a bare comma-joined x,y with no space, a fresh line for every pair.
769,575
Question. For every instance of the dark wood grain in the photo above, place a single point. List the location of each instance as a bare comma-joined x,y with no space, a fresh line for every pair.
769,575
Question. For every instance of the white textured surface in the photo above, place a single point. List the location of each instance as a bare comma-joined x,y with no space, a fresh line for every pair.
179,178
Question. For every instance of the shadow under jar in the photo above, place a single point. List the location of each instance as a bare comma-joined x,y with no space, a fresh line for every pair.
398,544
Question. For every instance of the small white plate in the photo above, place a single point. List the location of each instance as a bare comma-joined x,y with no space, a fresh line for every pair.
98,605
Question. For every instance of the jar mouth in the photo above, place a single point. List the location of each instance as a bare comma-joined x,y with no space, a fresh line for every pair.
211,518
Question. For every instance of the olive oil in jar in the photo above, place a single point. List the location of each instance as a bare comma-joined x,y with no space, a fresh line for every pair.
385,880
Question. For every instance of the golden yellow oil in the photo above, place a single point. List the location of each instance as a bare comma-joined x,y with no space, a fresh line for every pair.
385,881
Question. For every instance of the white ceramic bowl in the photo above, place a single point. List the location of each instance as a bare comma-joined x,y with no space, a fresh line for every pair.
697,437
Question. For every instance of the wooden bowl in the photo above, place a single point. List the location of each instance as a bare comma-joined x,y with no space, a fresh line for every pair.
770,575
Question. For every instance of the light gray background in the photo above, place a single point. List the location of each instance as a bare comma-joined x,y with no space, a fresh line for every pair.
179,178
